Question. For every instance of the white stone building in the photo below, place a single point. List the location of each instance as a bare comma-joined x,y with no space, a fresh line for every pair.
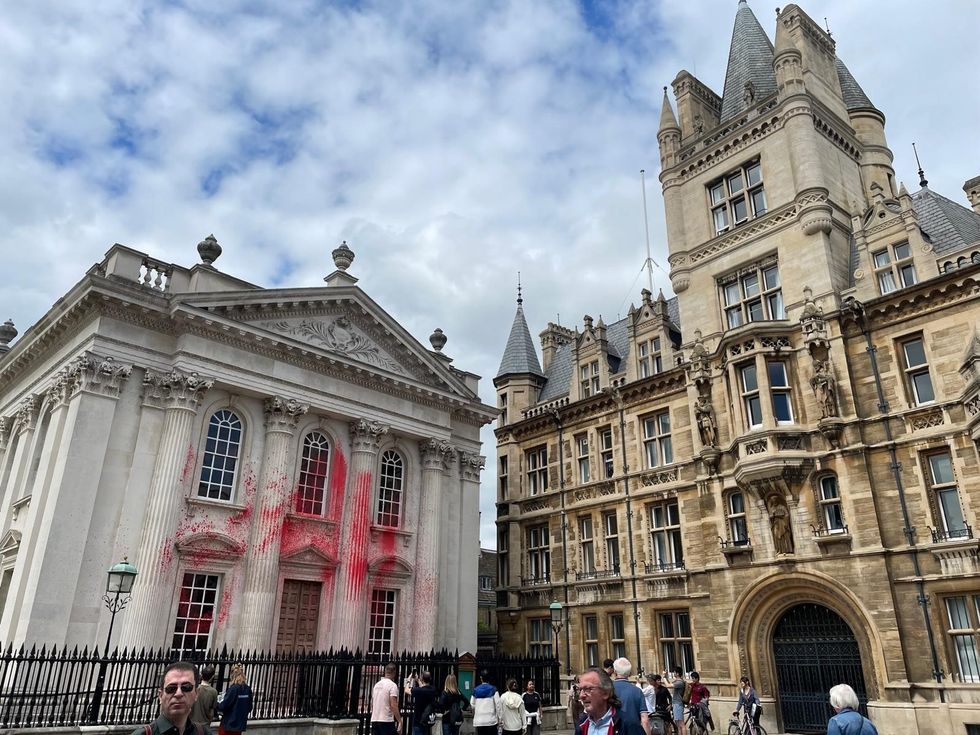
287,468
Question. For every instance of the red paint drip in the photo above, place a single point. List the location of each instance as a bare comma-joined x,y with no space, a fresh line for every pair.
360,528
227,596
166,554
338,485
189,462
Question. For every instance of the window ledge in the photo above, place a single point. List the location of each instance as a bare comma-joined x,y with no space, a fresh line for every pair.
310,518
378,532
212,503
828,538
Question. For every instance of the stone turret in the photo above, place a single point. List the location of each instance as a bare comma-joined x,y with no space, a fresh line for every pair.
520,377
972,189
669,134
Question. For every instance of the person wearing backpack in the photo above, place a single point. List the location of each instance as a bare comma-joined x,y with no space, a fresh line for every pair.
178,691
423,705
847,721
452,703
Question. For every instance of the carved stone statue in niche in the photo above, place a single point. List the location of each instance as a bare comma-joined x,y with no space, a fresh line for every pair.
825,388
705,417
779,523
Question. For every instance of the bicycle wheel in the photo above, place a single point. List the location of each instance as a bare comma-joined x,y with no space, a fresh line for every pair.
760,730
733,728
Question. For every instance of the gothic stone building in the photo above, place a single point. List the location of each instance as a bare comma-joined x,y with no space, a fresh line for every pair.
776,472
285,467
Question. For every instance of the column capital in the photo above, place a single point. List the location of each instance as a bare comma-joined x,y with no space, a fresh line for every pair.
5,426
175,389
27,413
366,435
282,414
470,465
437,454
101,376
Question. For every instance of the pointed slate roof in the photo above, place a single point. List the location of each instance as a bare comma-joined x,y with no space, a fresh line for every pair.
950,226
854,96
519,354
749,60
668,121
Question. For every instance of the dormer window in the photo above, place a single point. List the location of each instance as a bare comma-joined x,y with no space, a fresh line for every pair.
894,268
737,197
754,295
589,376
649,357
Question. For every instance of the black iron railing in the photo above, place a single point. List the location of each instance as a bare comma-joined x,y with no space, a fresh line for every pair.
598,573
60,687
953,534
532,581
661,567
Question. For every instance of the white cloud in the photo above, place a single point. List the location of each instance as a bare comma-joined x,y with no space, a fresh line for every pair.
451,143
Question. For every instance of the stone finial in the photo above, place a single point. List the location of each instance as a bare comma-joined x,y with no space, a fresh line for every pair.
7,333
343,256
209,250
437,339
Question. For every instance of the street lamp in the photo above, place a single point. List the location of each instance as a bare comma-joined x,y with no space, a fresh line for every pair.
556,622
120,582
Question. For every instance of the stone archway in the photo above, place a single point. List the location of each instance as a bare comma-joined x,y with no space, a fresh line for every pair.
761,608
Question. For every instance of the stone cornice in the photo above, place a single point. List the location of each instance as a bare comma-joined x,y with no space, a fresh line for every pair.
925,298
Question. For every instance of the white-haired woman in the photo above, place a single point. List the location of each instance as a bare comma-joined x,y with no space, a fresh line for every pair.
847,721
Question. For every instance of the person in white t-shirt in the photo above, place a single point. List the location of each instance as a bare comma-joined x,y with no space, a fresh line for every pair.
385,717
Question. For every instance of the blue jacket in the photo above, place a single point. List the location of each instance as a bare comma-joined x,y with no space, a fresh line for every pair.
235,706
849,722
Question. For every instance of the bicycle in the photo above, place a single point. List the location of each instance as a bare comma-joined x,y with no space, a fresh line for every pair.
745,727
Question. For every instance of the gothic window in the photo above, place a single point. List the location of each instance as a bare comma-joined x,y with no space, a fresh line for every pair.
381,632
753,296
587,543
311,495
665,535
539,637
537,470
947,511
657,445
738,527
963,616
538,555
831,514
390,489
589,379
195,613
590,628
649,357
737,197
582,452
894,268
606,451
610,526
918,382
617,635
221,454
676,642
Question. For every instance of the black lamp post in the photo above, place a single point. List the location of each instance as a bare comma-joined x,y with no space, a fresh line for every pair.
556,622
119,583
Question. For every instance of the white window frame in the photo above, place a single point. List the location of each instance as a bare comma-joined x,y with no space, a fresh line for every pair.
222,452
606,452
658,447
963,634
831,509
617,635
738,522
666,540
610,527
916,370
754,295
589,379
204,589
946,501
751,395
582,450
312,495
391,485
649,357
743,185
381,621
780,390
537,469
590,635
894,268
587,544
539,554
539,635
676,648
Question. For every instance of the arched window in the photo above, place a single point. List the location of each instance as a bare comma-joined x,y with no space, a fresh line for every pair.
221,452
390,489
311,489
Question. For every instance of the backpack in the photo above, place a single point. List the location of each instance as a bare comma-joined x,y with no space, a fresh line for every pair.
428,715
456,712
686,696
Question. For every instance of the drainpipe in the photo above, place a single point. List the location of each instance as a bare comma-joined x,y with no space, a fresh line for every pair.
855,309
617,396
564,531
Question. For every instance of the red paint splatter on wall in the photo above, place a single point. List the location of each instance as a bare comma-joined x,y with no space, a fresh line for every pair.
358,534
189,462
227,598
166,554
338,485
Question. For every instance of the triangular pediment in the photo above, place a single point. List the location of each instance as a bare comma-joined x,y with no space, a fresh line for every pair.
308,556
210,545
340,323
10,543
390,566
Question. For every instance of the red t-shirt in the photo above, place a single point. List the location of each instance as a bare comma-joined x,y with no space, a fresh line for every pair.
698,692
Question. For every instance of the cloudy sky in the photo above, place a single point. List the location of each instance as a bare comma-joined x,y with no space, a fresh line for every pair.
450,142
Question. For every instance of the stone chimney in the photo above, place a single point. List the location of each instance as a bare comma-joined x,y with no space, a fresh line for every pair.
972,189
551,339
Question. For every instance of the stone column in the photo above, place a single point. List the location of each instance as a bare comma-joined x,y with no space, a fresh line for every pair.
470,467
17,465
275,488
350,600
149,612
428,540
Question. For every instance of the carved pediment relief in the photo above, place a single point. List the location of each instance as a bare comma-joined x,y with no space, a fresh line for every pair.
211,545
10,543
309,556
339,334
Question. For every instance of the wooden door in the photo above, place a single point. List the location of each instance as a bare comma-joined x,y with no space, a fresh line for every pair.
299,615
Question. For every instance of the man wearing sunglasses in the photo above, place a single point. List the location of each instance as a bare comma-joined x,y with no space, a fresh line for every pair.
177,694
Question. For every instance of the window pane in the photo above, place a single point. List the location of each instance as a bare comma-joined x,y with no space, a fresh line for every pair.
758,202
717,193
754,408
781,407
881,259
664,421
754,173
666,626
740,210
673,514
735,183
966,657
959,618
731,294
736,503
833,517
776,310
915,354
754,309
907,273
770,276
922,384
721,218
942,469
949,504
828,488
777,375
683,625
886,282
740,530
750,285
734,317
902,251
749,382
668,450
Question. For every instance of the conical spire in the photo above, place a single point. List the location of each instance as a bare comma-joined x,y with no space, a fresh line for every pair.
520,357
750,76
854,96
667,119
